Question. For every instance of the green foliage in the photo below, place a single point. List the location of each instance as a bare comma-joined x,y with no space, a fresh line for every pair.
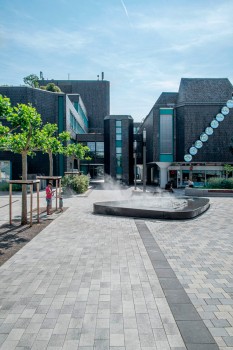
52,87
32,80
50,142
5,107
228,169
77,183
77,151
4,186
28,122
219,183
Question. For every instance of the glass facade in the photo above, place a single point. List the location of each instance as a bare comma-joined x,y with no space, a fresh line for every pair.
96,149
75,126
100,149
166,134
81,113
5,170
118,144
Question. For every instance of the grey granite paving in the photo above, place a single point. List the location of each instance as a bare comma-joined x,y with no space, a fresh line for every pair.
85,282
200,252
192,328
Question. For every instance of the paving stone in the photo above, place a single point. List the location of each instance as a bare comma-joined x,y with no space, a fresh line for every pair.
82,269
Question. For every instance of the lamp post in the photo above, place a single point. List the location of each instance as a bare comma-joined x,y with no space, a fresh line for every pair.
135,163
144,159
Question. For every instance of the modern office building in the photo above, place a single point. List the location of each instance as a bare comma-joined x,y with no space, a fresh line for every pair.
69,112
95,96
189,132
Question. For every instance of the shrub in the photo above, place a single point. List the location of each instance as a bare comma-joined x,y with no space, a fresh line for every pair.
217,182
77,183
4,186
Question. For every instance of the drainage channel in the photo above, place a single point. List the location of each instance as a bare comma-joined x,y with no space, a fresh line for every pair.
193,330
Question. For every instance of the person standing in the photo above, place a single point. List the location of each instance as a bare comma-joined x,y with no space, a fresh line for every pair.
190,183
49,194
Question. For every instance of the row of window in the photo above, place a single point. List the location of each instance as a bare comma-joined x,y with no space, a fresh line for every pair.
96,149
166,134
81,113
75,126
118,141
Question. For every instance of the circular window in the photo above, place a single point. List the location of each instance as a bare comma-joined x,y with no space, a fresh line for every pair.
198,144
230,103
209,131
219,117
214,124
204,137
193,150
188,157
225,110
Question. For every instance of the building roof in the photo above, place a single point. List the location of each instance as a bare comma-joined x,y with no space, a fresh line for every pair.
204,90
167,98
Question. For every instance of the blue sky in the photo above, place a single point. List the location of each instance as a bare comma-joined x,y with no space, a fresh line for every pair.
144,47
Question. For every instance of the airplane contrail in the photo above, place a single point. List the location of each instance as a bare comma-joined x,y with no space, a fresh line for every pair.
126,12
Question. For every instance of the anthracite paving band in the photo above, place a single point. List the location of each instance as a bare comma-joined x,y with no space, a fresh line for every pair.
193,330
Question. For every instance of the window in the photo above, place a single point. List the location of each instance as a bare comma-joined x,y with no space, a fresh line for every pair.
5,170
118,137
118,130
119,160
119,150
119,169
100,149
166,134
91,145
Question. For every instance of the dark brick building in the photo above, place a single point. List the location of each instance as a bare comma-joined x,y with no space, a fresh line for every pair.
95,95
118,147
188,133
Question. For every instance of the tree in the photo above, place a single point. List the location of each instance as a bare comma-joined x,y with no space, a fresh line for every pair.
77,151
32,80
228,169
5,111
51,144
24,138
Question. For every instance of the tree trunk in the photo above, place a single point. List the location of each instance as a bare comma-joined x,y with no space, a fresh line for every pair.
24,189
72,164
50,164
78,164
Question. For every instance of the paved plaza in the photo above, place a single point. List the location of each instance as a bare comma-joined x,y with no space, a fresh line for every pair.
98,282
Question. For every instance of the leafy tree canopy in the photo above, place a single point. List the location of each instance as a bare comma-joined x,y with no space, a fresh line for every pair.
5,107
32,80
27,137
77,151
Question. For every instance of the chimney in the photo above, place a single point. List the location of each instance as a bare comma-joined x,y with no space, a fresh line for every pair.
102,74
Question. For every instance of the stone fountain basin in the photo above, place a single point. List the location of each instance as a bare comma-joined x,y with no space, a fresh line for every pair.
188,209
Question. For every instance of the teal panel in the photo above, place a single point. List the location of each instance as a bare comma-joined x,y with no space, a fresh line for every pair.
166,158
118,143
61,129
119,170
166,111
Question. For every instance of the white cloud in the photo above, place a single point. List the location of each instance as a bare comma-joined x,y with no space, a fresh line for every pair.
56,40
